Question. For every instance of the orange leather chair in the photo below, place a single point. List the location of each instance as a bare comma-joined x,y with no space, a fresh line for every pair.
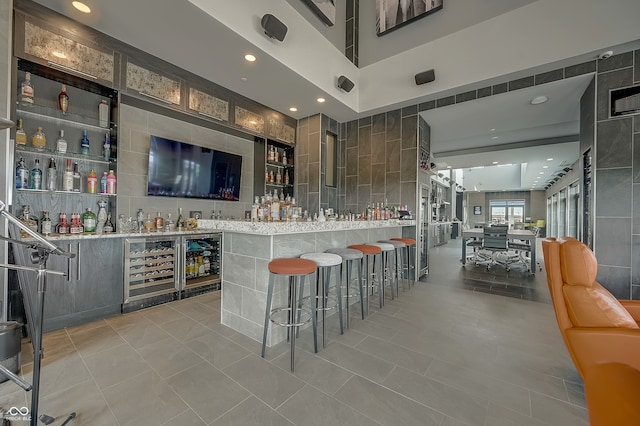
601,333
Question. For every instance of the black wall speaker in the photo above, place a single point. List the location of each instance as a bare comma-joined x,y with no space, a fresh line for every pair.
345,84
425,77
273,27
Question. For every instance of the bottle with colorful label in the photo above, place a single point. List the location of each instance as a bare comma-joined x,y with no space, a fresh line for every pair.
111,182
21,135
61,143
22,175
36,176
89,220
92,182
63,99
45,223
84,143
103,183
39,140
26,91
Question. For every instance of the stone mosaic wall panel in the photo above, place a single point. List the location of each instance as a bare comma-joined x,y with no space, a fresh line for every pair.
154,84
208,105
249,120
68,53
281,131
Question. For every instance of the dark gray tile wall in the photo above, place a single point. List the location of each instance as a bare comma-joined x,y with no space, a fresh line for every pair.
351,33
381,159
617,177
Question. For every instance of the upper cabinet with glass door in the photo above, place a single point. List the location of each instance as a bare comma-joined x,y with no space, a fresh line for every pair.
47,44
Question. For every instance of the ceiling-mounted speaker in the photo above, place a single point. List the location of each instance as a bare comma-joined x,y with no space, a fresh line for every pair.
273,27
425,77
345,84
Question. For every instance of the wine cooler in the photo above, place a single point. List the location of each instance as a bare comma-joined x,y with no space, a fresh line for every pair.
201,264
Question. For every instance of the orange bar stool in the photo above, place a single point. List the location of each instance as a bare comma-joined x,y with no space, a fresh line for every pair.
296,270
348,257
398,262
386,269
326,262
369,252
410,243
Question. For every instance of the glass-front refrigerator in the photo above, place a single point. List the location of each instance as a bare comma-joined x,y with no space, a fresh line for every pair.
150,265
201,264
423,227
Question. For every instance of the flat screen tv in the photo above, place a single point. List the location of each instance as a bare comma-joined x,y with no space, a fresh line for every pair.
178,169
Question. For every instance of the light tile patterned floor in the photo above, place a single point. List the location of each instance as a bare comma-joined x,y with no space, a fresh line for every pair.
438,355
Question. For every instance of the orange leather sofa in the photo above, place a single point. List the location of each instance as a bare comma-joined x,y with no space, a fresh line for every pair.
601,333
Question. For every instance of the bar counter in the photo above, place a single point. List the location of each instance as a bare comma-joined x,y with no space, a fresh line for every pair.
249,246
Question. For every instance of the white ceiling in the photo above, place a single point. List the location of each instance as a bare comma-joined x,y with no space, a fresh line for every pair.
508,129
210,37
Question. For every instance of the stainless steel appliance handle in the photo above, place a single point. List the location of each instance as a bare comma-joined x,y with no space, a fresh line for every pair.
79,257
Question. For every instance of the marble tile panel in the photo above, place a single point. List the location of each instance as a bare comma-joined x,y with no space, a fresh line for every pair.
448,100
314,177
394,123
95,410
364,196
251,245
378,176
351,189
580,69
143,333
115,365
613,188
636,209
378,151
635,250
352,134
207,390
384,405
327,240
550,76
310,403
186,418
636,154
425,106
409,110
409,132
364,121
498,415
313,202
378,123
408,195
216,349
614,241
253,304
361,363
96,339
240,269
392,187
636,61
616,279
185,328
548,409
393,155
615,143
408,165
168,359
364,169
364,141
406,358
606,82
314,147
252,412
266,381
292,245
466,96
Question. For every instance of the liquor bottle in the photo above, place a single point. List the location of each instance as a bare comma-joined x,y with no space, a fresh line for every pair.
103,183
45,223
159,222
61,143
39,140
84,143
52,175
28,219
168,223
286,177
22,175
140,220
67,177
108,225
36,176
103,113
63,99
149,224
101,217
254,209
21,135
76,225
106,147
284,157
111,182
89,220
62,227
77,183
278,177
26,91
180,221
92,182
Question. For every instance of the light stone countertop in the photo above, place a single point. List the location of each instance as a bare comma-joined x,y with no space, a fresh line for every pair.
279,228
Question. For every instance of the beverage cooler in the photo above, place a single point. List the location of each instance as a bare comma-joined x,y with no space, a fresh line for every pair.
151,266
201,264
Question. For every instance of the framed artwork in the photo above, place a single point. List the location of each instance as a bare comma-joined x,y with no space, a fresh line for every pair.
325,9
392,14
477,210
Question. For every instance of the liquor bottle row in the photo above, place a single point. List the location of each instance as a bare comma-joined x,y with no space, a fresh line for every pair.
382,211
275,208
39,141
26,98
69,181
87,222
202,258
277,177
277,155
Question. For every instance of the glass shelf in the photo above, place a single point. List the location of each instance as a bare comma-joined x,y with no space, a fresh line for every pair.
46,191
56,154
280,185
56,116
280,165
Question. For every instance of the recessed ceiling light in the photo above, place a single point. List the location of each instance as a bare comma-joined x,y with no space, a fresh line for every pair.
59,54
81,6
541,173
448,167
293,109
243,78
492,130
249,57
495,162
545,167
539,100
549,159
494,137
321,100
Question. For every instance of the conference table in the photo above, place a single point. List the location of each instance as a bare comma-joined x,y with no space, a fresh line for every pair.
514,234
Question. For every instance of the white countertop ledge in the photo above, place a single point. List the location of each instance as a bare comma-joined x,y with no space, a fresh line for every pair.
278,228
